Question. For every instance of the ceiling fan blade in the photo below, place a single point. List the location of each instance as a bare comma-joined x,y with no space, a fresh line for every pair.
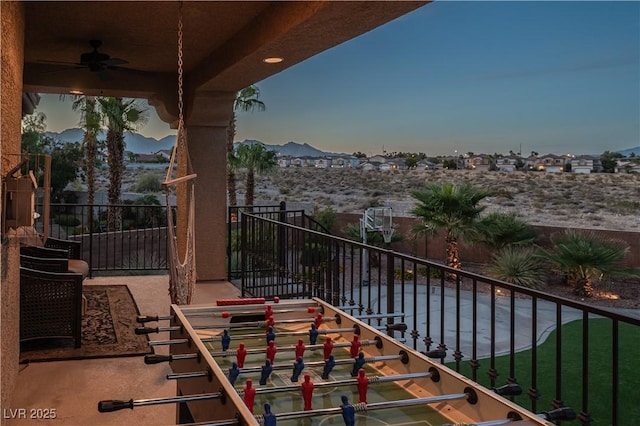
104,75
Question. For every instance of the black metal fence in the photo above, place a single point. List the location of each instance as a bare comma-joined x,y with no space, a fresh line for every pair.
135,241
496,327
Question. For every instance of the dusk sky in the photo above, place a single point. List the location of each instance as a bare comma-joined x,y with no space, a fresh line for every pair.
551,77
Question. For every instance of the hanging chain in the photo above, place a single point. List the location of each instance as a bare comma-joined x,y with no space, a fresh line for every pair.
180,82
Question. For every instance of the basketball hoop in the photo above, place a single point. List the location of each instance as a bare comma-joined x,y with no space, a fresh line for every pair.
387,233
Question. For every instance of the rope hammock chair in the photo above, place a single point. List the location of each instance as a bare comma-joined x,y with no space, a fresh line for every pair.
182,272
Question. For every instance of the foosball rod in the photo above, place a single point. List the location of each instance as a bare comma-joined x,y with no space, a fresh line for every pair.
402,327
363,407
559,414
257,351
293,348
156,359
226,314
115,405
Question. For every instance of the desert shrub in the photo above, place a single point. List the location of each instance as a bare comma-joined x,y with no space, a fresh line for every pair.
148,182
326,217
517,265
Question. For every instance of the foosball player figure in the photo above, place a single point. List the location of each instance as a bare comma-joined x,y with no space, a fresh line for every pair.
355,346
271,352
307,392
317,321
249,395
363,385
358,364
348,412
265,372
270,335
241,354
313,334
269,419
268,312
329,363
298,366
270,322
300,347
226,340
328,347
234,371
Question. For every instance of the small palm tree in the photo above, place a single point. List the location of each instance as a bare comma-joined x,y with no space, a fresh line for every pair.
585,256
120,115
517,265
246,101
498,230
255,158
452,208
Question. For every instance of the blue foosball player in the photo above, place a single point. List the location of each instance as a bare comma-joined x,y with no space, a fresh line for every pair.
329,363
313,334
265,372
298,366
226,340
269,417
234,371
359,363
270,335
348,412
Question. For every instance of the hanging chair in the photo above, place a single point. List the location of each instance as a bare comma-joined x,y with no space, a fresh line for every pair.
182,272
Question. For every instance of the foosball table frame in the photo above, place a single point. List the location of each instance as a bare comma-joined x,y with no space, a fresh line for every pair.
482,405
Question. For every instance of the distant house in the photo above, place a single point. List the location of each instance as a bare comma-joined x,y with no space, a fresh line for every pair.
582,164
551,163
370,165
624,165
426,165
304,161
510,163
284,162
378,159
480,163
323,163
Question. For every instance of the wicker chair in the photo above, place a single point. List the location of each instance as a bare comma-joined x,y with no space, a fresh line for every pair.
47,264
50,305
54,248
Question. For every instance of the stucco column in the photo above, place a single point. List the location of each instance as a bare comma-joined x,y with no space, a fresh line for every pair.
12,24
206,124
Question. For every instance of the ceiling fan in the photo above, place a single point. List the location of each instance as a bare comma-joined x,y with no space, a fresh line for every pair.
95,61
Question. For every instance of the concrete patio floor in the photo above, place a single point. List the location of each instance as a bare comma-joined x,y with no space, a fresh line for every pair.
73,388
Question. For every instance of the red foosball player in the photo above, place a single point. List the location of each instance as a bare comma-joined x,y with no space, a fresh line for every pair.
307,392
355,346
241,354
249,395
300,347
271,352
363,385
270,323
268,312
328,347
318,320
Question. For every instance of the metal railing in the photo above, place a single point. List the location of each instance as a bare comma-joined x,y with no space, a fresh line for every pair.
136,241
471,317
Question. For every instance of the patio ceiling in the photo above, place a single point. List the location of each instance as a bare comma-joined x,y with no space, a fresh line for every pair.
224,42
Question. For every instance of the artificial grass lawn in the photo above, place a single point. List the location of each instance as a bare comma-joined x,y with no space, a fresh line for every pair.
600,369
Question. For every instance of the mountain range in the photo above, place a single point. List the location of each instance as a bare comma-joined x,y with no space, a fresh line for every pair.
140,144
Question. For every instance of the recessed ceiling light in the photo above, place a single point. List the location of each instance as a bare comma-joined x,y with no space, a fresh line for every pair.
272,60
76,92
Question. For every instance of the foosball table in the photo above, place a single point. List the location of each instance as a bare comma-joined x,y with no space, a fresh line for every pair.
306,362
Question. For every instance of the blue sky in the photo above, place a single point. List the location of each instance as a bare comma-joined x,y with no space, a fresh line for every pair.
561,77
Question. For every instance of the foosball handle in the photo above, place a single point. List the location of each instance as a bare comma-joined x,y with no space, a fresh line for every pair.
146,318
114,405
562,413
510,389
156,359
438,353
146,330
397,327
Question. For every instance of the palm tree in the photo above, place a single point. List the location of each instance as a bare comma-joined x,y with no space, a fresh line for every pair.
498,230
246,101
585,256
120,115
90,120
452,208
255,158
